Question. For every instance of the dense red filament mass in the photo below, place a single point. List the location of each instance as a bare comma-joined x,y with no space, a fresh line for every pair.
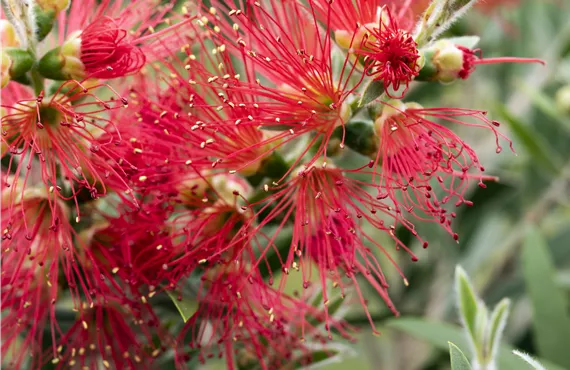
391,54
108,52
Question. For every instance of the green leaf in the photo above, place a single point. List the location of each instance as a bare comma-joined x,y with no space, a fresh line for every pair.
468,304
531,361
439,334
551,322
545,104
532,142
466,41
458,359
186,307
496,327
372,91
481,323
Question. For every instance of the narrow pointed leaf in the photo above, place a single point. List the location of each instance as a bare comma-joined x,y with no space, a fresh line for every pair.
531,361
481,323
371,93
467,303
551,322
186,307
458,359
497,324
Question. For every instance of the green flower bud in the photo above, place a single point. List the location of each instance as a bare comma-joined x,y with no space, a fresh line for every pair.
444,62
46,12
63,62
44,23
55,5
450,59
563,99
15,64
51,65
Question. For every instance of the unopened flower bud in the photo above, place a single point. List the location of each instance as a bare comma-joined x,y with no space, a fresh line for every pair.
64,62
45,14
563,99
359,136
101,50
5,64
445,62
350,39
14,64
8,36
55,5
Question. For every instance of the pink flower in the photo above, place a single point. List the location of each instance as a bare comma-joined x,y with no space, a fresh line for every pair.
107,50
377,34
114,333
390,54
327,210
107,40
240,317
54,140
39,263
414,149
299,93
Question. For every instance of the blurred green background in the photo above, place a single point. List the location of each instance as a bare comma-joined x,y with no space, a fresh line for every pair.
533,194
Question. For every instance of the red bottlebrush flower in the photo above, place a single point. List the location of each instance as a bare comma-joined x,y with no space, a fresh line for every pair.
54,140
109,40
135,248
413,149
377,33
27,310
240,316
116,334
197,134
347,18
391,54
38,262
204,229
327,210
302,90
107,51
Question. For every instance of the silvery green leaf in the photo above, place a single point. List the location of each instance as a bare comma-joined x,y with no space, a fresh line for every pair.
467,303
496,327
531,361
458,359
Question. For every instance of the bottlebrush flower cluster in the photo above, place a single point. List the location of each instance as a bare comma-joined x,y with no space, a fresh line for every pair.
190,155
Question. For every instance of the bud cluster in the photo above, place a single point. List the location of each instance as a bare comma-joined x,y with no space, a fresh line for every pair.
156,157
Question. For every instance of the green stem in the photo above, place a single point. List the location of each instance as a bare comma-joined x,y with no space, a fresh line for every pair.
37,81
